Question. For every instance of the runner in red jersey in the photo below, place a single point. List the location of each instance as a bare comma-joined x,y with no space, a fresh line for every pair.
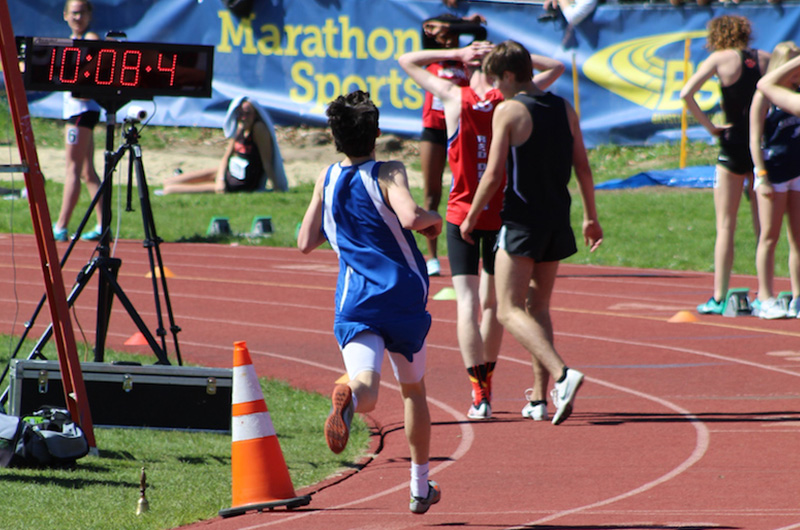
468,116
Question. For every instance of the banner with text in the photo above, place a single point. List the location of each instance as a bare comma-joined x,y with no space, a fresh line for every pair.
627,61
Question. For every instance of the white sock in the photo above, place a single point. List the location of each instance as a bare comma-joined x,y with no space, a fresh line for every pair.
419,480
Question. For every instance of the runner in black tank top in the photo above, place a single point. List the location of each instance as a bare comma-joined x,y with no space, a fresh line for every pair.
539,169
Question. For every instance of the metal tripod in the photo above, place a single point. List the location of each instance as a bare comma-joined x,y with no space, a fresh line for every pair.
106,266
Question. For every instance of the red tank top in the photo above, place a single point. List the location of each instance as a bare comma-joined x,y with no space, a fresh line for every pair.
468,151
432,109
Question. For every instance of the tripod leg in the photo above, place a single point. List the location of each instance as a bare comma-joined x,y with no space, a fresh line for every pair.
111,280
152,242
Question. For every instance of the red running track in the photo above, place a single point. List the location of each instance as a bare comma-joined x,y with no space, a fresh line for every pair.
692,425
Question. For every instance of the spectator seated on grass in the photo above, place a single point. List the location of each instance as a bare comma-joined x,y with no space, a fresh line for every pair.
251,159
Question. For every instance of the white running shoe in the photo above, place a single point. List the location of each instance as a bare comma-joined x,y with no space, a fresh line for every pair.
483,411
433,266
772,309
564,395
536,412
794,309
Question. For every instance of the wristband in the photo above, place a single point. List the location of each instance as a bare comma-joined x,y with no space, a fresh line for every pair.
761,173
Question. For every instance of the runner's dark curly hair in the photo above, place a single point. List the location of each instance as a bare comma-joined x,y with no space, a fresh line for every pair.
353,120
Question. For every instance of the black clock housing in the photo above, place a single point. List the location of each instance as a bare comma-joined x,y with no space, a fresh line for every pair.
106,70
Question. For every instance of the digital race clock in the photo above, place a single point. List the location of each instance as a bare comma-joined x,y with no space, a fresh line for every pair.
113,70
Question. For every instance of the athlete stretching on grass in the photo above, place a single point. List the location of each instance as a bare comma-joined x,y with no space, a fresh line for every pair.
537,138
365,210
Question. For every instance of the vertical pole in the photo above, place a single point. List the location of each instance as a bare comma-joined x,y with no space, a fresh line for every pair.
575,91
684,113
74,389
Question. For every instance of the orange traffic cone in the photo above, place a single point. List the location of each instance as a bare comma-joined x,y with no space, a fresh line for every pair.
260,478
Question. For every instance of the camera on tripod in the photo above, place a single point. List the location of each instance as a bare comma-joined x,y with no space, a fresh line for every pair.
135,114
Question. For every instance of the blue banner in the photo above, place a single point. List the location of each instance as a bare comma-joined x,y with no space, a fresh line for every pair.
627,61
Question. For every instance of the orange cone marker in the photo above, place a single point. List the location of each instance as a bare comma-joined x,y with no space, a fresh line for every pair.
137,339
260,478
683,316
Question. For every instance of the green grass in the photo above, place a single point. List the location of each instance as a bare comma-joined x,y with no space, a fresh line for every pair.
188,473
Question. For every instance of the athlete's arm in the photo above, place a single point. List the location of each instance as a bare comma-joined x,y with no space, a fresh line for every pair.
394,184
549,70
310,235
772,86
704,72
592,231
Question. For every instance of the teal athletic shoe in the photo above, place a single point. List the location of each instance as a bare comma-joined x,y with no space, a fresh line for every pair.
60,234
712,307
93,235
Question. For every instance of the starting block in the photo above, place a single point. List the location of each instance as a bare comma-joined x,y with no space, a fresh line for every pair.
737,303
219,226
262,226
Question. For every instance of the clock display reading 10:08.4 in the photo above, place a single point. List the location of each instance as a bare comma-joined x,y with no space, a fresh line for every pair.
108,66
118,69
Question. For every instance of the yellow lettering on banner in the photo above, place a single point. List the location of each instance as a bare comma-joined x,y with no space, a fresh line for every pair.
336,39
292,33
347,36
415,96
330,31
407,41
300,70
231,34
312,45
270,43
388,44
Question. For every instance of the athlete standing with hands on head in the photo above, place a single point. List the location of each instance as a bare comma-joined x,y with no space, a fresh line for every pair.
468,115
537,139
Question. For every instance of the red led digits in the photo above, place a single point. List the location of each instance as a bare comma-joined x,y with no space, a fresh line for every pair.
107,55
64,61
170,69
124,78
112,70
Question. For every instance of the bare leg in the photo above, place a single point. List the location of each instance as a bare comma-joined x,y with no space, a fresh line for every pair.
793,233
727,196
771,209
79,152
527,318
201,181
433,157
417,421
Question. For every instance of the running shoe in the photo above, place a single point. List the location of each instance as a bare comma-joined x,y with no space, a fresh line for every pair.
337,426
772,309
60,234
755,307
712,307
794,309
564,395
93,235
481,411
420,505
433,266
535,411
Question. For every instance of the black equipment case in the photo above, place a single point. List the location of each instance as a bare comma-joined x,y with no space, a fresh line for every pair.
129,395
